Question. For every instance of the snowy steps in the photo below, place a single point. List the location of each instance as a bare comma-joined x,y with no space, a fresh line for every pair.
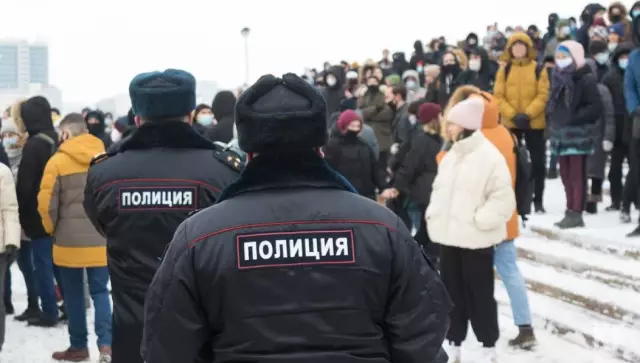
583,290
573,324
584,241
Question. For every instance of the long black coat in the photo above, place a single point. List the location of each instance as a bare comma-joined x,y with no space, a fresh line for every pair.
354,159
136,198
293,266
418,170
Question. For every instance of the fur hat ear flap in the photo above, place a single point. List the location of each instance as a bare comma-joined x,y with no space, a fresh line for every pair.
16,114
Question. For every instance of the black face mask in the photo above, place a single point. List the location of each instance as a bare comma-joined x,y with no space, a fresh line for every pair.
450,68
350,134
373,88
96,129
615,18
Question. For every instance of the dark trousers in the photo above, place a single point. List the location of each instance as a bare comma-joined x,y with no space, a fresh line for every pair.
383,162
44,275
574,180
3,269
537,146
25,263
469,279
398,206
630,191
422,237
619,153
596,187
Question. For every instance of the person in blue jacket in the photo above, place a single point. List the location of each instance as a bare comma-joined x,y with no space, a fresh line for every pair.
632,99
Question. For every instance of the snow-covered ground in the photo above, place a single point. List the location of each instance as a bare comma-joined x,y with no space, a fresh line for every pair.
584,292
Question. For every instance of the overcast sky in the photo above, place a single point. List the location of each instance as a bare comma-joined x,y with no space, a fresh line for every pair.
97,46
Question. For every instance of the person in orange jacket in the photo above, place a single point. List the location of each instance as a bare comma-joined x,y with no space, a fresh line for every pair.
505,252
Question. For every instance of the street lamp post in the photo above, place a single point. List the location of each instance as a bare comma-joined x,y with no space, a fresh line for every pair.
245,34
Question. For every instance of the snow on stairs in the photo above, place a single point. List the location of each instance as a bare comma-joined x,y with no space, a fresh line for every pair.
586,290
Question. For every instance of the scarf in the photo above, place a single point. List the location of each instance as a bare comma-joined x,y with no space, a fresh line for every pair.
562,85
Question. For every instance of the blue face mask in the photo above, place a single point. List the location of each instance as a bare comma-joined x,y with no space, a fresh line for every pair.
8,142
635,13
205,120
623,63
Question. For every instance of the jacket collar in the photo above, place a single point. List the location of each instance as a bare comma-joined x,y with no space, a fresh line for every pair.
169,134
284,171
469,144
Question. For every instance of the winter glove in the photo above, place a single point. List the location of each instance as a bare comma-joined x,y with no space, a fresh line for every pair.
11,253
522,121
607,146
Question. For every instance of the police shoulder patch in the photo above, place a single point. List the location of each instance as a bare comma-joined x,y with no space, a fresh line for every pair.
299,248
227,157
101,157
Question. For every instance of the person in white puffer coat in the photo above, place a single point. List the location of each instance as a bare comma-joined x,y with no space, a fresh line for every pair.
471,202
9,232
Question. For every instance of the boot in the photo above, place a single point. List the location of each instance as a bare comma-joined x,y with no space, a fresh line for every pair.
552,174
32,312
563,220
592,208
625,217
635,232
488,355
43,321
72,355
8,307
105,354
572,220
538,208
613,207
525,339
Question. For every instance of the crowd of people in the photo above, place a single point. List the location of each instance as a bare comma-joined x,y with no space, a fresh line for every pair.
406,134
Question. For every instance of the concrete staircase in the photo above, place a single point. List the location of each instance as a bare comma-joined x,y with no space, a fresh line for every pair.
584,290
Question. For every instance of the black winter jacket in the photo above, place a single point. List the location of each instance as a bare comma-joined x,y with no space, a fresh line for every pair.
353,158
571,125
614,80
35,154
223,107
136,198
418,170
292,266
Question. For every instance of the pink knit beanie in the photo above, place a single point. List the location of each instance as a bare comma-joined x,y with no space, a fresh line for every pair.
467,114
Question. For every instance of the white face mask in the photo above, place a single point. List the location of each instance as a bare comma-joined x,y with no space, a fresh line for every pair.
565,30
331,81
413,119
475,64
115,135
612,46
564,63
601,58
411,84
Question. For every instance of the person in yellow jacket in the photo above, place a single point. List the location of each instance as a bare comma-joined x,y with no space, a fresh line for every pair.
522,90
78,246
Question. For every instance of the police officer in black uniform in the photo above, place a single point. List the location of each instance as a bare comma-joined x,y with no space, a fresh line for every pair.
291,264
137,196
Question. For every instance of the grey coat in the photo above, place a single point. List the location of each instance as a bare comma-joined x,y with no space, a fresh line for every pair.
605,129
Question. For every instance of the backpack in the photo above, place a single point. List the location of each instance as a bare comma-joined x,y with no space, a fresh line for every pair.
539,68
524,179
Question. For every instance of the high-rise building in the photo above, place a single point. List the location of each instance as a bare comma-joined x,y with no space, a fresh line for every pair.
24,68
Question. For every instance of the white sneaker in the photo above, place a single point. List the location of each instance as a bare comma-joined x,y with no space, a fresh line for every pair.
454,354
488,355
